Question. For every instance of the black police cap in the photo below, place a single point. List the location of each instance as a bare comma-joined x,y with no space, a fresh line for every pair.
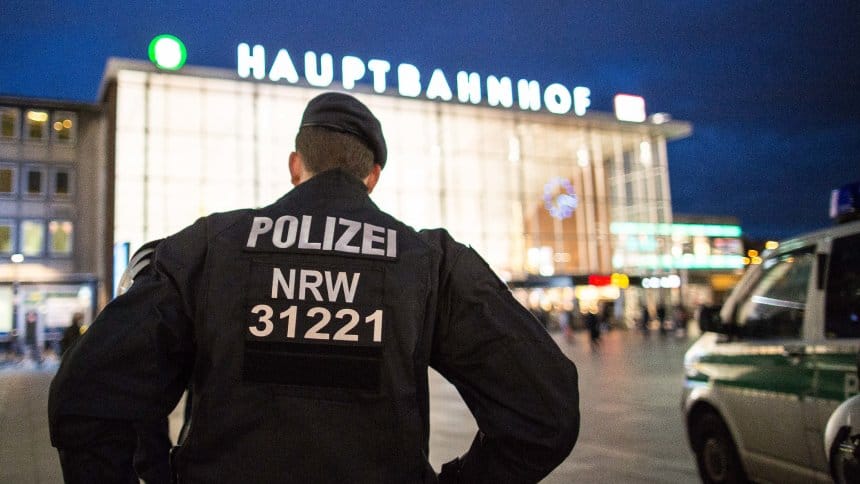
346,114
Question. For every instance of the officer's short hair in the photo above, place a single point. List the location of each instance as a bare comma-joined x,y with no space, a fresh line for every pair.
324,149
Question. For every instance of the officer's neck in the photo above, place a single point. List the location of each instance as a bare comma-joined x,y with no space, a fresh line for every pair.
369,181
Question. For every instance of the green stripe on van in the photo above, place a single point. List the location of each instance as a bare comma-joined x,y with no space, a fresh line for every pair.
837,378
765,372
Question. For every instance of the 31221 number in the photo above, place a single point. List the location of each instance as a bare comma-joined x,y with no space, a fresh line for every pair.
348,318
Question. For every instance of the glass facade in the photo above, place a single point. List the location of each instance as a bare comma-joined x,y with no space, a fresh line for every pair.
532,192
691,246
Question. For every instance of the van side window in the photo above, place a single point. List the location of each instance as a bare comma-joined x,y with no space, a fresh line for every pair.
775,307
842,304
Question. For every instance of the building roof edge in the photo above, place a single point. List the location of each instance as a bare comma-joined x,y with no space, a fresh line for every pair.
673,129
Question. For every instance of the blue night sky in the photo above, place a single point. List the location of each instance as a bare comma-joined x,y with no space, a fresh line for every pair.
772,89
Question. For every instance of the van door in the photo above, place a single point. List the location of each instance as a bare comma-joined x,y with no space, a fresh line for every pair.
774,367
837,359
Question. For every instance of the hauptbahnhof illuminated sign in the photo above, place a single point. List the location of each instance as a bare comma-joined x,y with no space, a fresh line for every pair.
469,87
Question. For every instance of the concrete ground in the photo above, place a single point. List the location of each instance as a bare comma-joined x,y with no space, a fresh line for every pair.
631,428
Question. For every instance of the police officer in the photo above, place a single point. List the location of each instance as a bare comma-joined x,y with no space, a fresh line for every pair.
306,329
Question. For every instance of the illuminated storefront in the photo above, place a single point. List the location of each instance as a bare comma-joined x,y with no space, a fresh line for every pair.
694,262
708,254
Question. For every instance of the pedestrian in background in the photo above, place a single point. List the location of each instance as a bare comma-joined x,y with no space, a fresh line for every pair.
72,333
592,322
306,329
680,317
606,315
645,320
661,318
31,336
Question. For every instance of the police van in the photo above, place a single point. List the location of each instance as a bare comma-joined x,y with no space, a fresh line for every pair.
775,361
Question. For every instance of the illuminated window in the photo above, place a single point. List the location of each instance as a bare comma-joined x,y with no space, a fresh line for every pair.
34,182
62,184
7,179
65,127
60,241
32,238
35,125
9,123
7,237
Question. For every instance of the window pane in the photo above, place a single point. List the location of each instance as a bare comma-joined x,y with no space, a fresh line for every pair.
777,303
32,238
6,245
842,308
61,186
7,180
61,232
65,126
8,123
36,123
34,182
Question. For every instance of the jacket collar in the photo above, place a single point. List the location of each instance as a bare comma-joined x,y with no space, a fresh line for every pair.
329,184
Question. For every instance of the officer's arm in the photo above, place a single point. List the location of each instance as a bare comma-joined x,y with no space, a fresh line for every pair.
519,386
127,371
106,455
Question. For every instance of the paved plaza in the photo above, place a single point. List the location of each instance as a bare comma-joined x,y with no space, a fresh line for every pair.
630,403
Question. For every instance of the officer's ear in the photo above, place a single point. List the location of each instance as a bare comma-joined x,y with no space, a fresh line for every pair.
297,168
371,179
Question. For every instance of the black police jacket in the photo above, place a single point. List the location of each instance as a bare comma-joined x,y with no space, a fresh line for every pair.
306,329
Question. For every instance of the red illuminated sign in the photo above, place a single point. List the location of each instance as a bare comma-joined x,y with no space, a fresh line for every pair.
599,280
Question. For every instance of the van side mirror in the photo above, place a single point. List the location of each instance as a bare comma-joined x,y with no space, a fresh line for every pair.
709,320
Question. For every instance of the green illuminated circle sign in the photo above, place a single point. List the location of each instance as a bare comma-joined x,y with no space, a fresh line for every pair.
167,52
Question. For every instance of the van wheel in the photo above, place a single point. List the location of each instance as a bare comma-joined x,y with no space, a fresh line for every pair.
716,454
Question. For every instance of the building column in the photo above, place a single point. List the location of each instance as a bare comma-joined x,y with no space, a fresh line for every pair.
604,240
